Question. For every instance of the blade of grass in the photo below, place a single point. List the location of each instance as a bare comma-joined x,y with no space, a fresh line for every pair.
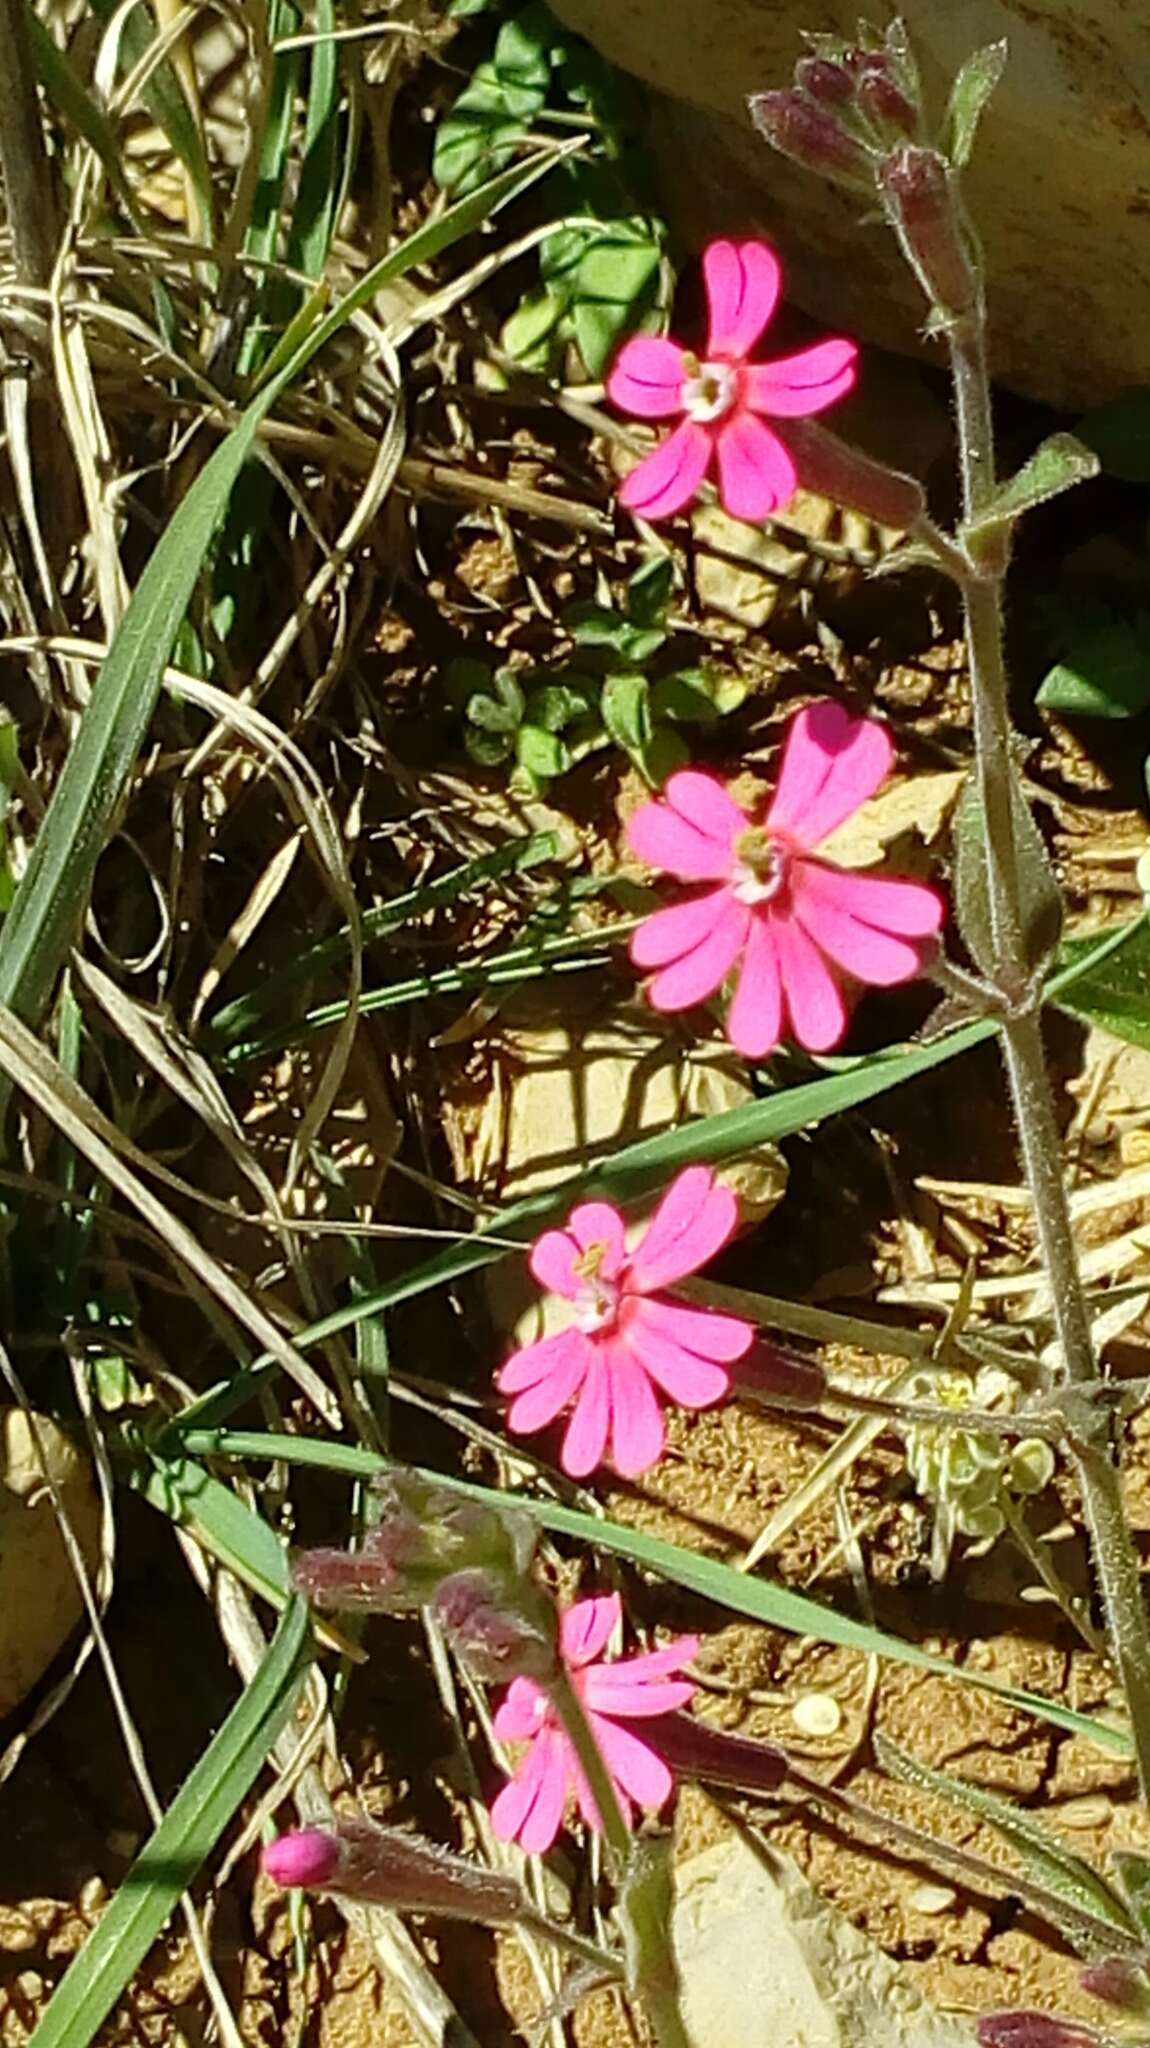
165,99
75,105
193,1824
314,218
49,902
723,1585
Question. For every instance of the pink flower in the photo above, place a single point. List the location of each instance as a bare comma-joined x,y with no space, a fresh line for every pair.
531,1806
797,923
627,1339
724,396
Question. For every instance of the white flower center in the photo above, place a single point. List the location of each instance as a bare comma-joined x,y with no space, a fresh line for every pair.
710,392
760,867
597,1303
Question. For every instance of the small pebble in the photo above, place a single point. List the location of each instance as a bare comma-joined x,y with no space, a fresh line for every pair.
933,1898
817,1713
1092,1812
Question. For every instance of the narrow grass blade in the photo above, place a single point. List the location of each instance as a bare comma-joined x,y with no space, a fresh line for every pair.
314,216
221,1522
722,1584
165,100
1043,1856
75,104
49,902
192,1826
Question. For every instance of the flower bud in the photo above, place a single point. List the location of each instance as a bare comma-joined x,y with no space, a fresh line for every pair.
833,469
1117,1981
695,1751
424,1533
782,1379
1033,2030
921,202
350,1582
885,104
500,1629
821,79
388,1868
813,136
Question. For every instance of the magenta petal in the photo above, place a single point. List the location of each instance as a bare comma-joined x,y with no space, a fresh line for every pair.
831,765
699,973
586,1437
633,1765
668,934
516,1719
534,1363
707,805
706,1332
871,956
668,478
742,281
665,840
647,378
817,1011
609,1693
540,1403
552,1263
685,1378
913,910
599,1224
530,1808
692,1222
756,474
755,1018
637,1431
637,1672
586,1628
805,383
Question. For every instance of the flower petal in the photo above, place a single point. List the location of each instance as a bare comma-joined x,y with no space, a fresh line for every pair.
668,478
756,474
872,956
668,934
687,1379
548,1395
552,1262
692,1222
535,1362
634,1766
743,281
707,804
594,1224
640,1670
793,386
817,1011
699,973
530,1808
755,1018
637,1431
607,1692
586,1437
647,378
586,1628
516,1717
706,1332
912,909
831,765
665,840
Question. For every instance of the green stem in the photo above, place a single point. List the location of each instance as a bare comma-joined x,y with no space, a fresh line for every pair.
569,1708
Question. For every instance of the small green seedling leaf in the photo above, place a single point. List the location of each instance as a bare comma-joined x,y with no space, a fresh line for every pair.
487,749
1133,1874
968,98
664,753
523,57
541,754
649,592
626,708
1115,993
480,135
1119,433
596,625
1056,465
532,330
1105,668
555,706
1040,897
615,291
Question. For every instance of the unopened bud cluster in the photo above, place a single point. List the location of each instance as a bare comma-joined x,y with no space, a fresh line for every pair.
965,1473
469,1563
848,107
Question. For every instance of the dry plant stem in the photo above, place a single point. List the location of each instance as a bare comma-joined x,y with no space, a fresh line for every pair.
658,1978
28,188
1091,1443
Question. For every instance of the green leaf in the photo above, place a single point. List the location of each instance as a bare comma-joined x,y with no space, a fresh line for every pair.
968,98
1040,899
522,59
530,332
1056,465
650,590
1045,1858
756,1599
165,99
1105,667
597,625
1119,433
1115,993
492,114
489,749
664,754
314,214
541,753
54,889
553,706
465,678
57,75
615,289
184,1839
627,712
220,1521
1133,1874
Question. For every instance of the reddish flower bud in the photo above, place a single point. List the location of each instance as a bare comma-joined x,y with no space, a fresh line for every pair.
364,1861
1117,1981
921,202
823,80
835,470
882,101
813,136
500,1631
424,1534
1034,2030
781,1378
695,1751
350,1582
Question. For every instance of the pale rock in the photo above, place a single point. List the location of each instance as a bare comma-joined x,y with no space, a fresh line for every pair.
40,1603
